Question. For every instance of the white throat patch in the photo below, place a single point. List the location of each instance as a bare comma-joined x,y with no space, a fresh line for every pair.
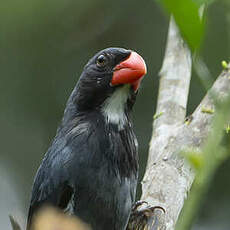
114,107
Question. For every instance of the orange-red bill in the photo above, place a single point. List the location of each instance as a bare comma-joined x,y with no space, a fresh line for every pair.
130,71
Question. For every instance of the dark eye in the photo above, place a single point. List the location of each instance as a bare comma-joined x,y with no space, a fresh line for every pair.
101,61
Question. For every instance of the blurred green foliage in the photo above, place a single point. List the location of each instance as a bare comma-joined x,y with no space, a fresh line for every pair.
206,162
187,16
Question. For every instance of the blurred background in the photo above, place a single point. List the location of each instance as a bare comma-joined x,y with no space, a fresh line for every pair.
44,45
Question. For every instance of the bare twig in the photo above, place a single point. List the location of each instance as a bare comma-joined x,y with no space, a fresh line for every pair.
14,223
215,151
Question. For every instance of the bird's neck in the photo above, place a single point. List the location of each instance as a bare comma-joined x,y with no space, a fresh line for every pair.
114,108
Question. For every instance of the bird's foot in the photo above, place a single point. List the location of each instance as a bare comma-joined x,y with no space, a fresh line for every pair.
143,216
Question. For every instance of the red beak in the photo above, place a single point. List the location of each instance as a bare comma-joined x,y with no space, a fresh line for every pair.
130,71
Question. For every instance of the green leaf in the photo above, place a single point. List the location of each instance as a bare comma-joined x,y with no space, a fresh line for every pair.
186,15
196,159
206,2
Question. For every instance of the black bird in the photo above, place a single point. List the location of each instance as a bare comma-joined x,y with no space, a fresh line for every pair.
91,168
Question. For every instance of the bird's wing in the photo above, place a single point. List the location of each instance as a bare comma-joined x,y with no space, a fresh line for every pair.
52,185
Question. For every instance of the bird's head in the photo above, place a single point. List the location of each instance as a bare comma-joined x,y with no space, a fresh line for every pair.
106,72
109,81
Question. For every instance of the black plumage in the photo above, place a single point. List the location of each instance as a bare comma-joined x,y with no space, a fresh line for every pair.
91,168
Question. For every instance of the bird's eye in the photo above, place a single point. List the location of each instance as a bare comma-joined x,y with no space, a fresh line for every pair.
101,60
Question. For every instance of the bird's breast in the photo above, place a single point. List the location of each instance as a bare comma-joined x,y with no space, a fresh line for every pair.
105,202
106,169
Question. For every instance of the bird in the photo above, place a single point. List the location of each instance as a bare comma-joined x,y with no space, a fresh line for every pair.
90,169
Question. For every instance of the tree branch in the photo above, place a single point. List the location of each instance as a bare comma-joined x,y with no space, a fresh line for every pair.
175,76
168,177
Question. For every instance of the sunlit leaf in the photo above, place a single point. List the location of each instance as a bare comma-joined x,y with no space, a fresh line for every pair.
206,2
186,15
